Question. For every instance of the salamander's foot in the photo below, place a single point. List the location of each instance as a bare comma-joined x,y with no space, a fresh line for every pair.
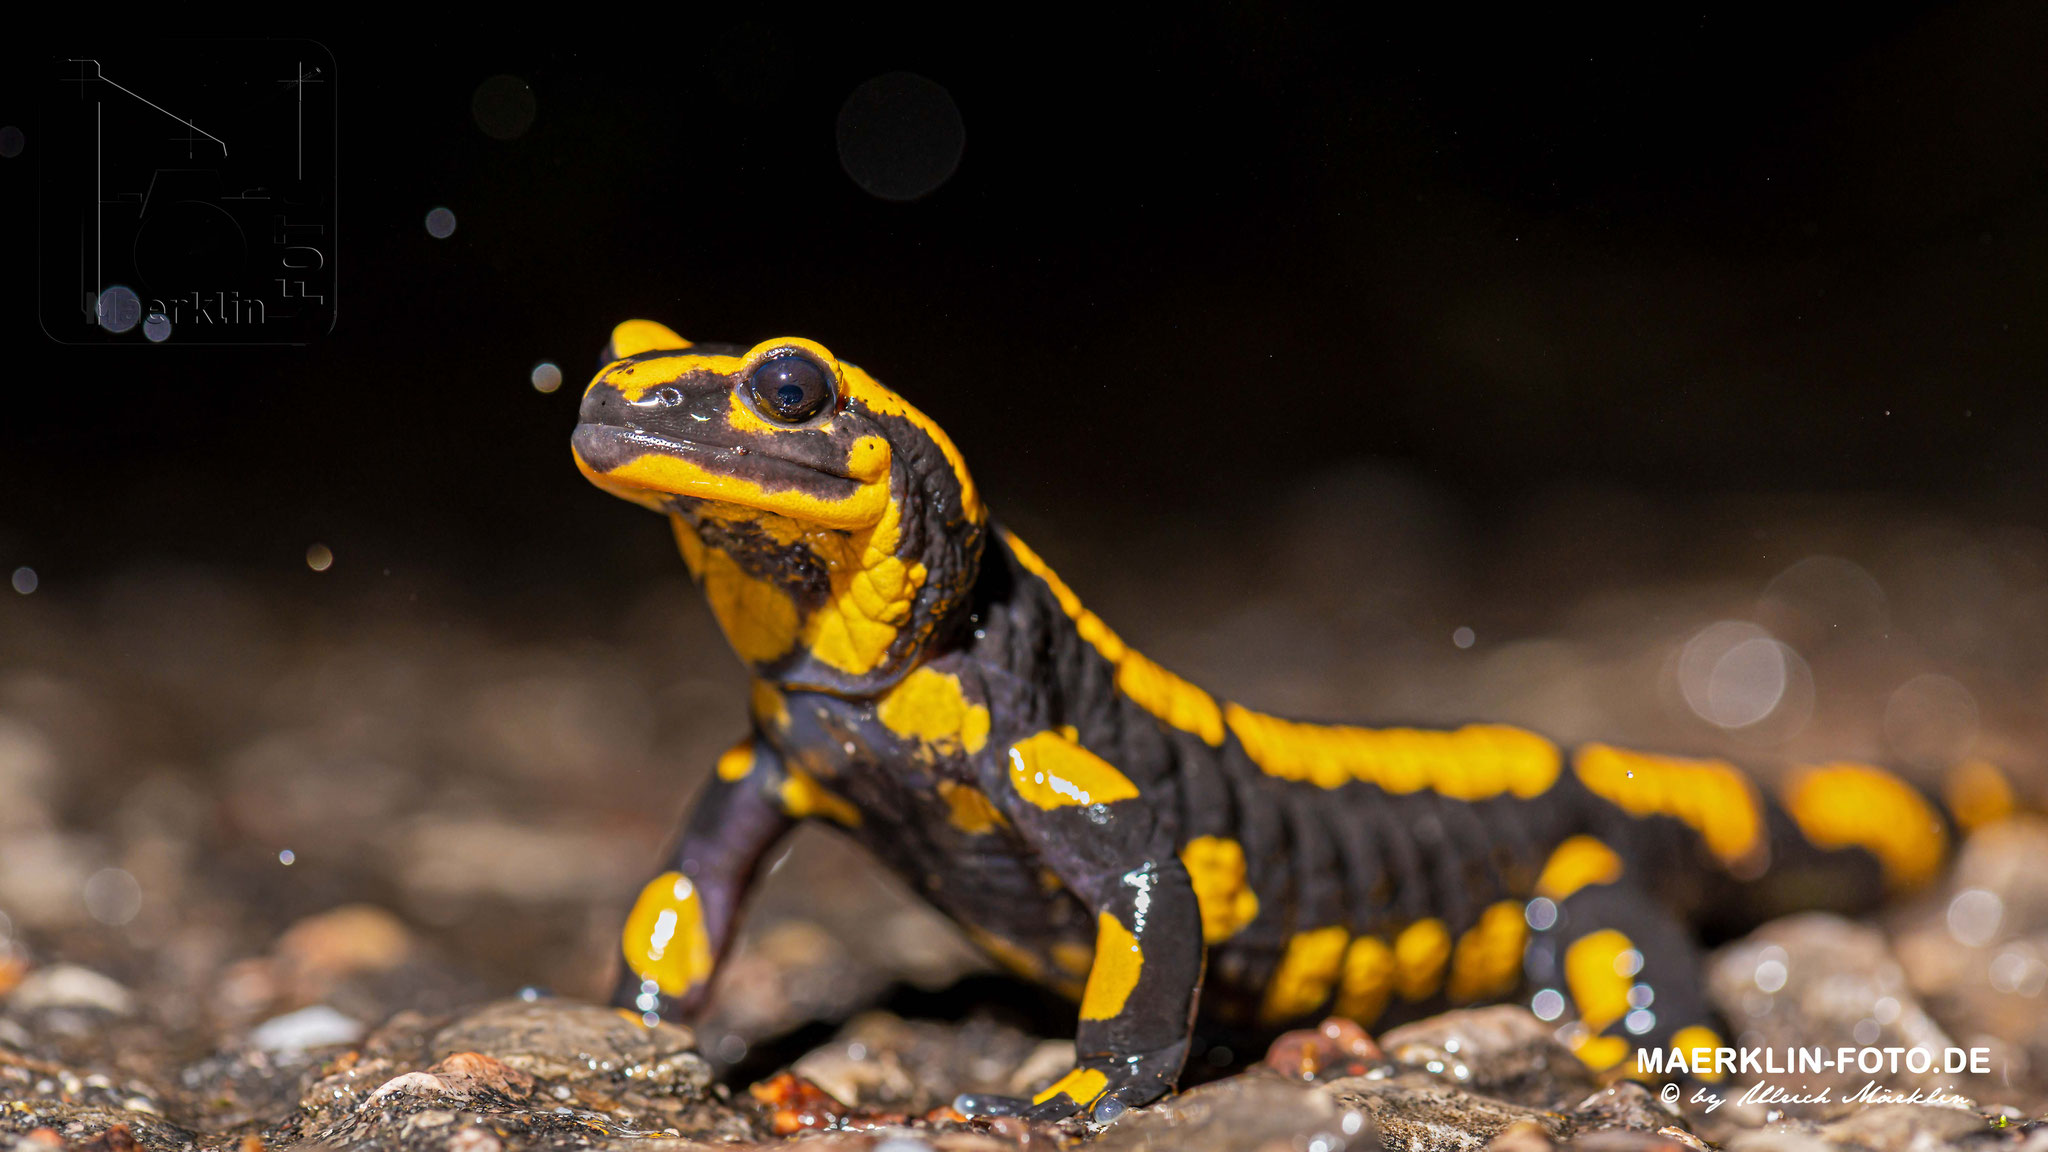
1101,1088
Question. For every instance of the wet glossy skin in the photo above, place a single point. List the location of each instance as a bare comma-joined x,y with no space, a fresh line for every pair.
925,681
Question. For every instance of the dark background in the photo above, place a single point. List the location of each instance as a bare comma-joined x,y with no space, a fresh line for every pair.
1181,266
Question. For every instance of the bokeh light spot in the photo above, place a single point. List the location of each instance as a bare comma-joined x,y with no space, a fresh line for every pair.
546,376
1464,637
440,223
319,557
112,897
1930,721
26,580
12,141
1734,675
157,327
119,309
504,107
1974,916
900,136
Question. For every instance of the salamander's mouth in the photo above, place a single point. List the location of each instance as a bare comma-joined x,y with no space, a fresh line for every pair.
648,469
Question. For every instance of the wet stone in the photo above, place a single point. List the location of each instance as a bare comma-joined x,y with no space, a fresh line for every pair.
1820,980
569,1042
1337,1047
1258,1110
1631,1140
1501,1051
881,1061
1624,1104
1415,1110
85,1129
1909,1128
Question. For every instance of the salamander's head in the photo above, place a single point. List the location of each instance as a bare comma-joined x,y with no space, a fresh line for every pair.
833,526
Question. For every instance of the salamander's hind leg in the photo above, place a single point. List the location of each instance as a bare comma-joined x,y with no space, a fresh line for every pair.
1602,948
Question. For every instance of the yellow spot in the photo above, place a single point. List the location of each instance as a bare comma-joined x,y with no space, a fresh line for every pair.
803,797
1082,1085
636,336
1600,1052
1420,953
1695,1036
1052,771
1594,973
929,706
665,940
1476,762
1978,794
768,705
758,618
1368,982
1488,960
969,810
1308,971
737,761
1857,806
1216,866
1577,862
689,544
1709,796
872,593
1072,958
1164,695
1118,963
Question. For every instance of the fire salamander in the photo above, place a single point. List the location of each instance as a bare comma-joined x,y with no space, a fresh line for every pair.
925,681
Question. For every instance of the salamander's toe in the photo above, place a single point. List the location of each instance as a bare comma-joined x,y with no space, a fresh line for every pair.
990,1104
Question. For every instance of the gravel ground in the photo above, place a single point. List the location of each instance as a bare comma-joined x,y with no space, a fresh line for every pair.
338,858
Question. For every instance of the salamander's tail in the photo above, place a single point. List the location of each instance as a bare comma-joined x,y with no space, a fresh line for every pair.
1849,836
1978,795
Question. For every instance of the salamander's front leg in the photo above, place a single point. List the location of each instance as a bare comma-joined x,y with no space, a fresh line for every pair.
682,923
1108,845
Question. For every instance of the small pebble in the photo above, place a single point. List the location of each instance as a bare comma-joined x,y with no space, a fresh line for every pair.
410,1084
69,986
316,1027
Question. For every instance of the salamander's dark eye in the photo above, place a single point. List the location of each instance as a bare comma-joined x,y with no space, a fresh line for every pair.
791,388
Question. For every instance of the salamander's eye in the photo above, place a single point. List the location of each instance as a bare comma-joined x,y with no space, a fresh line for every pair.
791,388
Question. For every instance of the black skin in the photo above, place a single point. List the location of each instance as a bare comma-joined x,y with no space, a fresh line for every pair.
1354,856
